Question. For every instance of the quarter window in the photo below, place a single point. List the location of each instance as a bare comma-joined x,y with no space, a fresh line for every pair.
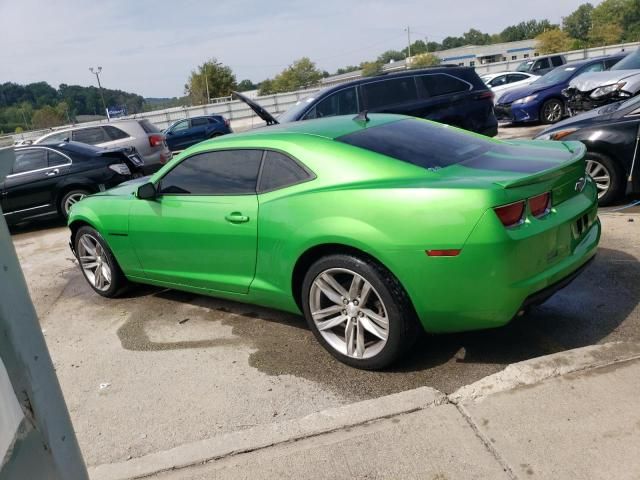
280,171
27,160
439,84
557,61
115,133
385,93
344,102
55,159
92,136
230,172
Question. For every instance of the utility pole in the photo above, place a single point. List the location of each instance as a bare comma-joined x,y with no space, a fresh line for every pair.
206,79
97,74
408,30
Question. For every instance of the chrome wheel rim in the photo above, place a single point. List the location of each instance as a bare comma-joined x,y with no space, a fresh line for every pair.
349,313
553,112
72,200
94,262
600,175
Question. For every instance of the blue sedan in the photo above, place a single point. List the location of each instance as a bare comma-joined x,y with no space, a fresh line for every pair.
185,133
542,100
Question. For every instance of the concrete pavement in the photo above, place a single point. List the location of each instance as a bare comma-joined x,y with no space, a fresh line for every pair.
571,415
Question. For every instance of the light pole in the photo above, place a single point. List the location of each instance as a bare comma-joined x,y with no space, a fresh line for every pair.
206,79
408,30
96,72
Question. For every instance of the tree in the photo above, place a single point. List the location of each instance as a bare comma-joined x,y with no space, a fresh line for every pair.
578,24
347,69
609,21
476,37
301,74
418,47
452,42
605,34
391,55
369,69
219,79
526,30
266,87
424,60
553,41
47,117
246,85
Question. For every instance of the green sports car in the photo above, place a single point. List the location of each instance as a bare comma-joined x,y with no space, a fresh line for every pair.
372,227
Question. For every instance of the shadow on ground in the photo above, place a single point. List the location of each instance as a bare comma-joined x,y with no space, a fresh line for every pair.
587,312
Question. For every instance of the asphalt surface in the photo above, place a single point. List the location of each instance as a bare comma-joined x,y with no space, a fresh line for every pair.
160,368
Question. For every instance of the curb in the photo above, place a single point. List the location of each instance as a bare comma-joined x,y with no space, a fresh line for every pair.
538,369
263,436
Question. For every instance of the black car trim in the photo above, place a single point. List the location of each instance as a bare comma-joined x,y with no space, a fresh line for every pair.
117,234
27,209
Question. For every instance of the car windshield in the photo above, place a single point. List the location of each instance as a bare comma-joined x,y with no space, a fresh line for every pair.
630,62
294,112
525,66
557,75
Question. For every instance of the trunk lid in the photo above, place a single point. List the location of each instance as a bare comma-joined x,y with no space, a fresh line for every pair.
259,110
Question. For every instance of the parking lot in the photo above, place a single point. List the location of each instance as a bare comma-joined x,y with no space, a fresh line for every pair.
159,368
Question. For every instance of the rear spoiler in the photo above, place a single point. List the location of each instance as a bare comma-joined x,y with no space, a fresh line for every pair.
577,150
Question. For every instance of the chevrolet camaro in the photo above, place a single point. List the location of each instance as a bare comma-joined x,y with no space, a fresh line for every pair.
371,226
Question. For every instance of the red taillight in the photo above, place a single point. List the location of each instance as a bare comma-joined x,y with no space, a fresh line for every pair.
512,214
443,253
156,140
540,204
487,94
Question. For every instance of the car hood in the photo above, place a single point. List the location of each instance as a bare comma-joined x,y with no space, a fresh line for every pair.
261,112
521,92
590,81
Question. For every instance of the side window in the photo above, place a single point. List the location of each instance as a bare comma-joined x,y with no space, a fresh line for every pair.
115,133
183,125
199,122
280,171
92,136
439,84
610,62
385,93
344,102
230,172
541,64
54,158
496,82
58,137
27,160
596,67
556,61
516,77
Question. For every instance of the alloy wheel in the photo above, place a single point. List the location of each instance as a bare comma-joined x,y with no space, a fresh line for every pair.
600,175
552,112
71,200
94,262
349,313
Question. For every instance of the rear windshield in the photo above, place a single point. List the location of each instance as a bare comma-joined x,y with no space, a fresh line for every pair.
433,146
148,127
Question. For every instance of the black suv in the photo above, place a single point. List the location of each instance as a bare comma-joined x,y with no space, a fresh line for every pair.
451,95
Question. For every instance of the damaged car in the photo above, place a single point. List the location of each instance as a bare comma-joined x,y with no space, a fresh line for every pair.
593,90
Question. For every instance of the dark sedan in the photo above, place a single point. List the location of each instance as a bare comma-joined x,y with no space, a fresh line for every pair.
542,100
185,133
612,137
46,180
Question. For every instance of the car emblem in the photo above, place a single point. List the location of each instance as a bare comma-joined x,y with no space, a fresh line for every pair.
580,184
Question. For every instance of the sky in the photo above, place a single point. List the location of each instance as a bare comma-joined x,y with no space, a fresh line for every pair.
150,47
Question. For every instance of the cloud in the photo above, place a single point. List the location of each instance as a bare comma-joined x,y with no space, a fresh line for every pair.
149,47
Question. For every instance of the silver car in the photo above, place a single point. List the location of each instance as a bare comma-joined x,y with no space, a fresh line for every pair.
147,139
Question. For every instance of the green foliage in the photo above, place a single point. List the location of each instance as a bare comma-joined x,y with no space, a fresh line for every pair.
391,55
425,60
526,30
246,85
18,130
301,74
370,69
347,69
218,78
553,41
47,117
578,24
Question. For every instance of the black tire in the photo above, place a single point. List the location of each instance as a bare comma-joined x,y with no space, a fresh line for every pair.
617,183
70,194
403,324
119,282
549,111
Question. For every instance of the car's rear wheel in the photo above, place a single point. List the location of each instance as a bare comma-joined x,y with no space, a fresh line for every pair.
71,198
358,311
98,265
606,174
552,111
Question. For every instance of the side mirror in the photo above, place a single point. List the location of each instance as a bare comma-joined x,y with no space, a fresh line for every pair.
147,191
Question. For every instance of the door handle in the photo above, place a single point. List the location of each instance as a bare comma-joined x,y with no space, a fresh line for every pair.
236,217
51,173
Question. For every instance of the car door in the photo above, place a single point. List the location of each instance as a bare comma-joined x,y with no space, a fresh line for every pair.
394,95
199,130
541,66
201,229
177,135
31,187
342,102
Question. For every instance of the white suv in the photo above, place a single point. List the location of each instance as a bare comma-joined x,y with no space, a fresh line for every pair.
147,139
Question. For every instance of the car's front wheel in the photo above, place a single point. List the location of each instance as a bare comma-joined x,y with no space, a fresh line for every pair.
552,111
99,266
606,174
358,311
